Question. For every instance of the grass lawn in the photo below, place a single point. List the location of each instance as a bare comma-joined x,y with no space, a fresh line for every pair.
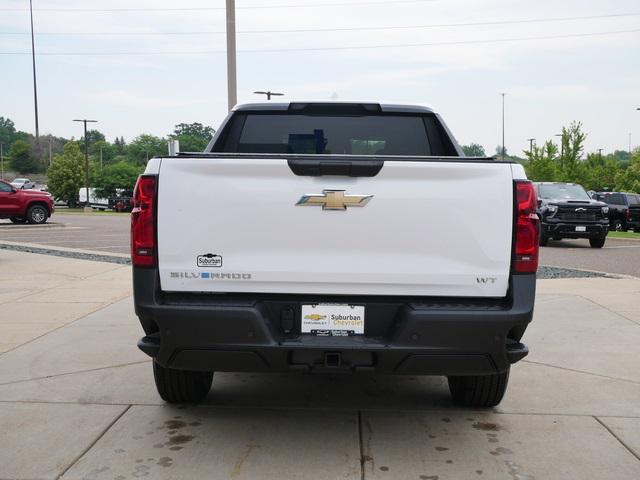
632,235
80,211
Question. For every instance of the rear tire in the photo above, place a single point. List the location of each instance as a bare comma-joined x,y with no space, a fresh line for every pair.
37,214
181,386
479,391
597,242
617,225
18,220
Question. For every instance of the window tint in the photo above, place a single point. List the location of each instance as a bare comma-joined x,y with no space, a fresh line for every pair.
634,199
299,133
615,199
4,187
562,191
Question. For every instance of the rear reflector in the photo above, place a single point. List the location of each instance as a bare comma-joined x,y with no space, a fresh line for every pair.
143,224
527,228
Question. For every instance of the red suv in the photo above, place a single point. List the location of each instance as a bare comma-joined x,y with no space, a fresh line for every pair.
23,206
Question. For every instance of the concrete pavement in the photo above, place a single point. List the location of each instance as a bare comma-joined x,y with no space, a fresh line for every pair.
77,399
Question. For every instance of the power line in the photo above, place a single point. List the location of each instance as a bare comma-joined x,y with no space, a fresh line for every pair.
342,29
192,9
319,49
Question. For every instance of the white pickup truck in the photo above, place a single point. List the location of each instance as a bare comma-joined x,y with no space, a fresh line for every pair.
334,237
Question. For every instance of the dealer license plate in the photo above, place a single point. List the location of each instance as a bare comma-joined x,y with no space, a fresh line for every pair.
332,320
581,229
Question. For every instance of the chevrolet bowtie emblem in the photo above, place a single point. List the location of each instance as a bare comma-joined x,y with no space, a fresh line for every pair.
334,200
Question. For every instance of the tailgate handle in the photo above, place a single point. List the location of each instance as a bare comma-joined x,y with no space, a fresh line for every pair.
316,168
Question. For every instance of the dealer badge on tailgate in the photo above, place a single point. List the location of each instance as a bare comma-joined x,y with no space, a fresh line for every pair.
209,260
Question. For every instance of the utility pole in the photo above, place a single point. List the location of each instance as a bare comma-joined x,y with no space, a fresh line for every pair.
35,88
600,154
531,140
87,207
100,158
1,161
503,94
50,160
232,87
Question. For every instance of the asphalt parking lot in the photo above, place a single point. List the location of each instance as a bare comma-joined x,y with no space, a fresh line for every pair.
109,233
77,399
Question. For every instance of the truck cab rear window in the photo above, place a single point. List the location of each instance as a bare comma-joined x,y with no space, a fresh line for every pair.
304,134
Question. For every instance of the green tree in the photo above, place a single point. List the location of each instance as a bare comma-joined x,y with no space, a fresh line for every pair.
93,136
120,145
541,165
629,179
474,150
193,137
108,150
144,147
119,175
66,174
22,159
8,133
570,166
600,173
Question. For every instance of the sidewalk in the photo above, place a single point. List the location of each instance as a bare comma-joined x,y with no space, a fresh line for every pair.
77,399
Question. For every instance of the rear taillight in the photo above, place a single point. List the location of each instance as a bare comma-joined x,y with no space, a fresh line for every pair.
525,245
143,223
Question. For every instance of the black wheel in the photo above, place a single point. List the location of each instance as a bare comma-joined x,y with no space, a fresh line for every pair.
480,391
597,242
543,240
18,220
181,386
617,225
37,214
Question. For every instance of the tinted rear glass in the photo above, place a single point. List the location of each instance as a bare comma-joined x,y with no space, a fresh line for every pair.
562,191
299,133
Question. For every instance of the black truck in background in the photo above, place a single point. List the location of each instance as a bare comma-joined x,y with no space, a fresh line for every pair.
567,211
624,210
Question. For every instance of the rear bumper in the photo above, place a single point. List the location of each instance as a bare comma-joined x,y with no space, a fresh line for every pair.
246,332
568,230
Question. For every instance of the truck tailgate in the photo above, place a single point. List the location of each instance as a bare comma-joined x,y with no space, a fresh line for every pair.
431,228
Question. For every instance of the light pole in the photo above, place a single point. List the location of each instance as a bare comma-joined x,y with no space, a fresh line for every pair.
50,151
503,94
232,88
1,161
531,140
87,207
561,135
600,154
35,88
269,94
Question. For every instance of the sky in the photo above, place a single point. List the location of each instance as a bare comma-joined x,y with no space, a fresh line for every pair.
123,69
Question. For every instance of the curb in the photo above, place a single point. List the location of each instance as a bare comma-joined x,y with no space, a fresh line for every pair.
78,254
18,226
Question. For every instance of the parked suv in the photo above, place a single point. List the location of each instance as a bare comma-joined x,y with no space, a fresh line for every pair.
567,211
624,210
22,206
